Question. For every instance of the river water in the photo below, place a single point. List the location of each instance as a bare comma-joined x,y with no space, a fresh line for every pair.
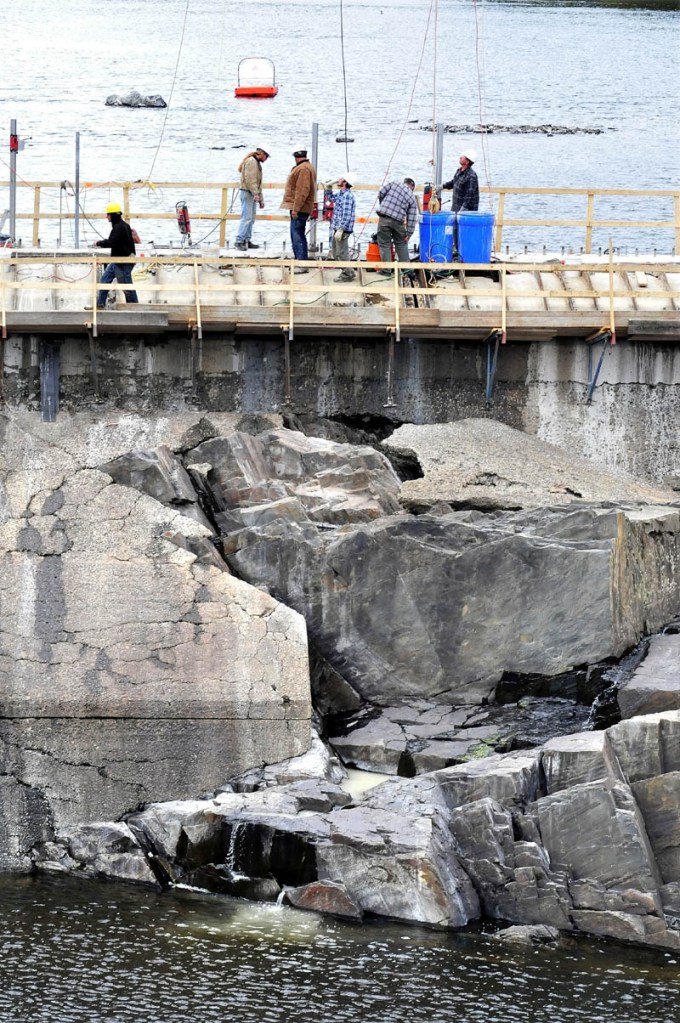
103,953
407,63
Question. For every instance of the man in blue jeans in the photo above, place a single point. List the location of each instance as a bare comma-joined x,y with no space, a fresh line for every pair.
299,197
250,170
121,243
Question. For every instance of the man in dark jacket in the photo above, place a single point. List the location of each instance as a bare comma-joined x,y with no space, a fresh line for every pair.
121,243
465,190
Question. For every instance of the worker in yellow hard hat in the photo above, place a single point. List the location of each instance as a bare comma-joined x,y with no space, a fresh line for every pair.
121,243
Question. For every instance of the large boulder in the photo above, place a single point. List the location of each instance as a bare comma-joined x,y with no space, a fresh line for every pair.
133,665
441,606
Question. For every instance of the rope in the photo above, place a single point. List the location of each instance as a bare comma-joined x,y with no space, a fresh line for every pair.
434,83
174,80
406,119
482,137
344,78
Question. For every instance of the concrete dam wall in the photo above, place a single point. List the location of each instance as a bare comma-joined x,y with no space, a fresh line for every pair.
630,423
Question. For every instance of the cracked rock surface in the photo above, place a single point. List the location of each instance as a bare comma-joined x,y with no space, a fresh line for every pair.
133,665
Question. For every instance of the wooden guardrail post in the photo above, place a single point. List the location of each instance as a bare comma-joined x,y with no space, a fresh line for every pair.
499,220
223,217
126,201
589,222
36,216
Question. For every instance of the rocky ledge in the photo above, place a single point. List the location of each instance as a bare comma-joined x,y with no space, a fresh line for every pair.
581,834
517,129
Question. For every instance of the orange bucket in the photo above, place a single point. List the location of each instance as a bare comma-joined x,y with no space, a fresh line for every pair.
373,252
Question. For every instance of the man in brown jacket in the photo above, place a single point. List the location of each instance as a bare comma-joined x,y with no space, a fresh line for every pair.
251,196
299,197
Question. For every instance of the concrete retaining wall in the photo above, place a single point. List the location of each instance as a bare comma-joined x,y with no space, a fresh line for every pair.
631,424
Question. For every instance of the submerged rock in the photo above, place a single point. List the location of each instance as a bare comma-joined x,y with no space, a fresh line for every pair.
522,934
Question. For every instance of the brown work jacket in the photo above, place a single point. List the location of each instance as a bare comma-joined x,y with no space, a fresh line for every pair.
300,191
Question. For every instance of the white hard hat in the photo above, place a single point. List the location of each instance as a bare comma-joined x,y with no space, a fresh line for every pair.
349,178
470,154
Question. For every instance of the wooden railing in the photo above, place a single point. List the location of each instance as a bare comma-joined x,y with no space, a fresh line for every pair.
199,295
41,202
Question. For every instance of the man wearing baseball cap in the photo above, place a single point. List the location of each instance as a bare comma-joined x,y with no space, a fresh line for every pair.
299,197
342,224
465,189
250,170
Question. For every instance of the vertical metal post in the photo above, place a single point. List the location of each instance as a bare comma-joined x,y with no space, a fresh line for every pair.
315,160
77,210
439,156
49,381
13,150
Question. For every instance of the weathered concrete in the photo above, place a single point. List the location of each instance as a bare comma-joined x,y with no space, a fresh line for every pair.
133,665
540,387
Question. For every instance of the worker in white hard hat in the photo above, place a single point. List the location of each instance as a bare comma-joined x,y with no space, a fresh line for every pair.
342,222
465,190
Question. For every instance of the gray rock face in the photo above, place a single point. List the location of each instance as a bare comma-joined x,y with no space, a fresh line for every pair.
558,837
655,685
135,99
424,736
441,606
131,669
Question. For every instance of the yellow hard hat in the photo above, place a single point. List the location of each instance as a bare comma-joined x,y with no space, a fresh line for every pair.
113,207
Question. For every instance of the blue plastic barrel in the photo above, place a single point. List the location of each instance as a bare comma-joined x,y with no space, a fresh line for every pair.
436,238
475,236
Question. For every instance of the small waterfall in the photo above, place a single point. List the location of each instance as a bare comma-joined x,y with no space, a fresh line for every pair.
280,898
232,857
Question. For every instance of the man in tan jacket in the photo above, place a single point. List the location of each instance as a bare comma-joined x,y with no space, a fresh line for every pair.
251,196
299,197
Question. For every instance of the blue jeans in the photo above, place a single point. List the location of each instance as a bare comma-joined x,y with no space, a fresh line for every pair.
248,207
298,235
122,272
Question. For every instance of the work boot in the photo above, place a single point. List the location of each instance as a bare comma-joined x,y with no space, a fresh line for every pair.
301,270
240,245
252,245
342,278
